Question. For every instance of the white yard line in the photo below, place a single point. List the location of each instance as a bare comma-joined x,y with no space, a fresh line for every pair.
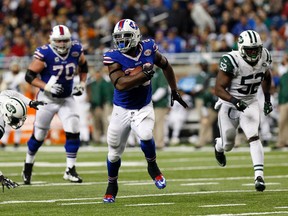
137,196
149,204
251,213
200,183
223,205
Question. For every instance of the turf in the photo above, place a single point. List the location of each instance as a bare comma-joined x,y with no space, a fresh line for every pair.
196,185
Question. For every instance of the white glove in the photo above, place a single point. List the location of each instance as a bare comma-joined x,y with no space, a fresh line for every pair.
78,89
53,87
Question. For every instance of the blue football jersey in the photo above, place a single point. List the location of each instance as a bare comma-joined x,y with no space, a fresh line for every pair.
63,67
139,96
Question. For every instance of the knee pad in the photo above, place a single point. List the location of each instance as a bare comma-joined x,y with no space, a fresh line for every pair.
113,158
72,125
230,139
145,134
40,134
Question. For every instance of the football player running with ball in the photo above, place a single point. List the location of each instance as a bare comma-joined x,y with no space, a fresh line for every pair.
130,67
52,70
241,73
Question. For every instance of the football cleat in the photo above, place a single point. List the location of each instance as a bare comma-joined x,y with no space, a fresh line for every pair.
259,184
156,175
111,193
221,158
160,182
108,198
72,176
27,173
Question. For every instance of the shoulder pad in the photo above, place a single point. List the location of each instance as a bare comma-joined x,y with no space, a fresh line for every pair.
228,63
266,56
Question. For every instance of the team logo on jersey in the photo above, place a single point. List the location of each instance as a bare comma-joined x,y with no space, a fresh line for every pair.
56,59
147,52
75,54
44,47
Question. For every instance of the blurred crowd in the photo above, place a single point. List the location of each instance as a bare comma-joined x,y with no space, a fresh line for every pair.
177,26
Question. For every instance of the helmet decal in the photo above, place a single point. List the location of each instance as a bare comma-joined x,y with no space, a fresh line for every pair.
61,30
121,24
10,108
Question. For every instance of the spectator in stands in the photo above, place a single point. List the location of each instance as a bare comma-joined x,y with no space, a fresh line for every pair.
96,99
283,112
160,94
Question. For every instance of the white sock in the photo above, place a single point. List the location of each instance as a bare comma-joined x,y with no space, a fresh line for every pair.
30,158
219,146
257,155
70,162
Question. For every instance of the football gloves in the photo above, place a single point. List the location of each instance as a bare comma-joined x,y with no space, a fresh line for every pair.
78,89
5,182
34,104
268,108
147,69
239,104
55,88
176,96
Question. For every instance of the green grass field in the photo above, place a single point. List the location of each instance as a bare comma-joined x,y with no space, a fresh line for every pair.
196,185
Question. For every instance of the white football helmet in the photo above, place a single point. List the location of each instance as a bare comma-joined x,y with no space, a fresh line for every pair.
60,39
14,112
126,35
250,46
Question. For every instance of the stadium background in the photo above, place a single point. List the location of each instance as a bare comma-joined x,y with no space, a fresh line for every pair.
186,31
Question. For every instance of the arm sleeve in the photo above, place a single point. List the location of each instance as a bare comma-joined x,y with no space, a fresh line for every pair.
12,93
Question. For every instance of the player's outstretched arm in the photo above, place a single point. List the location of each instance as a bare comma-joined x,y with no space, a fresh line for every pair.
168,71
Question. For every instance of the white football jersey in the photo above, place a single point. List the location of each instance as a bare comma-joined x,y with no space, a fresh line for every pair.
246,78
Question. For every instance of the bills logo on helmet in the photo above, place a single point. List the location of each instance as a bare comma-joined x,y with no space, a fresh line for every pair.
133,25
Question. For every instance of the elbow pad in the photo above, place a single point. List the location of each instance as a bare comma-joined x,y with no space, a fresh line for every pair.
84,67
30,76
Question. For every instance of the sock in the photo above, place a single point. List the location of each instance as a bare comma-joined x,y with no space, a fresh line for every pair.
70,162
257,155
149,149
113,169
30,158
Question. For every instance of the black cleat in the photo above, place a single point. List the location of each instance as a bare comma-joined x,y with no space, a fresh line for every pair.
259,184
221,158
111,193
72,176
27,173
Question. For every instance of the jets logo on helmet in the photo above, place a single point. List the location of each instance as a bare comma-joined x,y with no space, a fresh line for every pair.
14,112
126,35
250,46
10,108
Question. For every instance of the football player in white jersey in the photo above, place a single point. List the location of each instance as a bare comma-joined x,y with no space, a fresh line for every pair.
13,112
241,73
130,67
14,81
52,71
